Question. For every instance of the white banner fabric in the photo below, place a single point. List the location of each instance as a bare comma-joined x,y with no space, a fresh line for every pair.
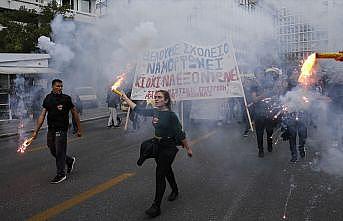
188,72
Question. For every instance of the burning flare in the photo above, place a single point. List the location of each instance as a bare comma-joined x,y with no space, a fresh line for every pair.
119,81
337,56
306,77
22,148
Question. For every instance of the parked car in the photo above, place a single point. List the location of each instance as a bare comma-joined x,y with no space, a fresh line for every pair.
87,96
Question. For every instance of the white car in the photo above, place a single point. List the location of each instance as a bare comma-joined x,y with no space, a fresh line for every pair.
87,96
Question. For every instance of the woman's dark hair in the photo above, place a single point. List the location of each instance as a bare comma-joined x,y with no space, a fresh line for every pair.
166,97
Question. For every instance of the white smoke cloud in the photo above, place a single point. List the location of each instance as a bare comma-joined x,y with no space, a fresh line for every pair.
60,54
92,54
127,30
141,37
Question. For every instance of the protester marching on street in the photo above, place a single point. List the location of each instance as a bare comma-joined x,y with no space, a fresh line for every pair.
57,106
264,90
113,102
168,134
249,87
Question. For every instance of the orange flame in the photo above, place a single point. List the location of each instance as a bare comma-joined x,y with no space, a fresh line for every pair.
27,142
306,77
119,81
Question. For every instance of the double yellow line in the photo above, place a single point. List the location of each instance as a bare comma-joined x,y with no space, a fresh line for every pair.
53,211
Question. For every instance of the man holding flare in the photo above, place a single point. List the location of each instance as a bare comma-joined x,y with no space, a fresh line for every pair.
57,106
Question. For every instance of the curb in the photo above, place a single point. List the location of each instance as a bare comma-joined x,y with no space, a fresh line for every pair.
84,120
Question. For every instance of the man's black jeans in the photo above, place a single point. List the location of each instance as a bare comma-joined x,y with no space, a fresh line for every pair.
57,143
261,124
297,128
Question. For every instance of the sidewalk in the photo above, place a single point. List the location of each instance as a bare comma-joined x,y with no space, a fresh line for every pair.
10,128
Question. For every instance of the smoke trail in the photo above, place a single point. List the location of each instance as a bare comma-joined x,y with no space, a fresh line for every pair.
93,54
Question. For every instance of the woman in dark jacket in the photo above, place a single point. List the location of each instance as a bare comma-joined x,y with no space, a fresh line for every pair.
168,132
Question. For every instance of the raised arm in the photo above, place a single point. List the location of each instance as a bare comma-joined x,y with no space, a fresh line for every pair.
138,109
129,101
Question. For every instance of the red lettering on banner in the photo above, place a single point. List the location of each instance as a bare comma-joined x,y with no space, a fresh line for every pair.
148,83
230,76
149,95
140,82
153,82
137,83
158,82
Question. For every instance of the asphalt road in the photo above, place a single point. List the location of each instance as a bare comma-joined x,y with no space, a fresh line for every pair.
225,180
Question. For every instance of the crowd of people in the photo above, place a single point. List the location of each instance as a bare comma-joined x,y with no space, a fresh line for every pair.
262,95
266,89
168,135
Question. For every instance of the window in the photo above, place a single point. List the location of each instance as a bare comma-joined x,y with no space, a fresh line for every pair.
86,6
4,82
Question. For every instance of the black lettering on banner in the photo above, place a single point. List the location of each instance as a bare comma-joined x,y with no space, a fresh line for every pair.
200,52
207,53
151,68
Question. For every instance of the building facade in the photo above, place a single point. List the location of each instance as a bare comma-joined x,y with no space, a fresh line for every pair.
81,10
300,35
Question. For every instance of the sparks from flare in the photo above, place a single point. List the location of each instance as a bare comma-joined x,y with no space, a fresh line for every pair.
23,147
292,186
306,77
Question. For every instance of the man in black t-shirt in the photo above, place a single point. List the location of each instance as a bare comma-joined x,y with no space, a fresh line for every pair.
57,105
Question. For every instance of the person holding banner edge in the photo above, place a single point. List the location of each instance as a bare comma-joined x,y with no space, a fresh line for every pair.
168,132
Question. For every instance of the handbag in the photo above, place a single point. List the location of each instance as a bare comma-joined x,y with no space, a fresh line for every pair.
149,149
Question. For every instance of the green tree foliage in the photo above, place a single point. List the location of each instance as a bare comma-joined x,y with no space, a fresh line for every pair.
22,28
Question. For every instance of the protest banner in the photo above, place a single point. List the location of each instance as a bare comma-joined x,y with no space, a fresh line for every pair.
188,72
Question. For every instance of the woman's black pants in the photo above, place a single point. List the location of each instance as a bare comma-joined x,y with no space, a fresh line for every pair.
164,160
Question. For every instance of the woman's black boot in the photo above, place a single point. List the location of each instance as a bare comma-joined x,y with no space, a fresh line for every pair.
154,210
